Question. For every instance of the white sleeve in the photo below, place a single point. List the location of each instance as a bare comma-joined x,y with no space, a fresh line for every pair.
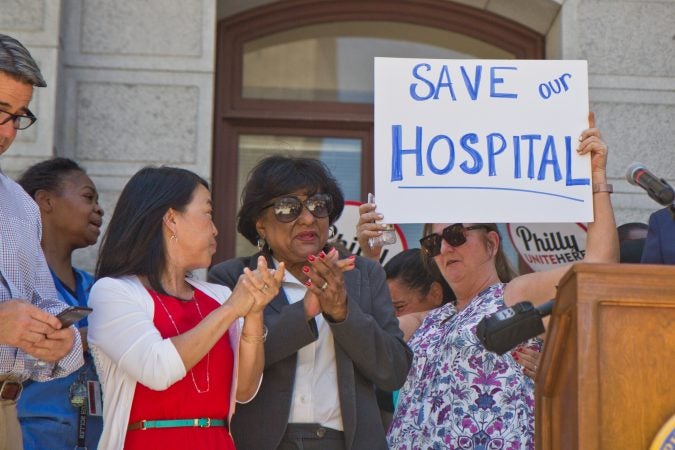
122,327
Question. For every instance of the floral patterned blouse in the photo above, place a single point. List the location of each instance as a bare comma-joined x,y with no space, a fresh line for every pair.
458,395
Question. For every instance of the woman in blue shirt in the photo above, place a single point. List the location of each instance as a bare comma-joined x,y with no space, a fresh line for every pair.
64,413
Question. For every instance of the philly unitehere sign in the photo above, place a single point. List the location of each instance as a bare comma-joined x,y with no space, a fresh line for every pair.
481,141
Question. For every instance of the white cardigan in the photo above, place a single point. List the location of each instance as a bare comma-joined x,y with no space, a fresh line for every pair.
127,348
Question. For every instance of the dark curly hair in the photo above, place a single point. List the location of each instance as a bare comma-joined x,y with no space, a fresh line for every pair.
279,175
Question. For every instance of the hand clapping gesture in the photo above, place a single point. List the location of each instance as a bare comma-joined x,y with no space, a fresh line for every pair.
326,292
256,288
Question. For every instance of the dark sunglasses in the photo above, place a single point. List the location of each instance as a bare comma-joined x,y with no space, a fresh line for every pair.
454,235
287,209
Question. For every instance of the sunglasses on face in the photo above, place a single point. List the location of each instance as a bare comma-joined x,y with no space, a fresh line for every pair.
454,235
287,209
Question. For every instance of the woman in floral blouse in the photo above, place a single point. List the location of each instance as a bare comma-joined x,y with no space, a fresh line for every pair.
457,394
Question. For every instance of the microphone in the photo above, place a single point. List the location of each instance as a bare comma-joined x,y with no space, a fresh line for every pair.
657,188
507,328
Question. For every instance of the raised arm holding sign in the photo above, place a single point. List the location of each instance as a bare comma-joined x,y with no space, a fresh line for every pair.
462,181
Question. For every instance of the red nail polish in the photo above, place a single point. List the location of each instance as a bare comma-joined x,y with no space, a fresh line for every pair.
305,269
311,258
352,256
308,283
322,255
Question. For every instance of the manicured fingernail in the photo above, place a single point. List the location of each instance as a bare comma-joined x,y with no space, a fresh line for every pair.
305,269
311,258
332,250
308,283
322,255
352,256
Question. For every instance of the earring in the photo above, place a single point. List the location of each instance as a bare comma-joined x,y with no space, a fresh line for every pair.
261,244
331,232
174,238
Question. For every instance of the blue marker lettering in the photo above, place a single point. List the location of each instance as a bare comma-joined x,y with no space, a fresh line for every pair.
562,79
569,181
516,157
549,157
451,155
397,152
494,80
413,86
444,81
530,152
478,161
472,89
492,152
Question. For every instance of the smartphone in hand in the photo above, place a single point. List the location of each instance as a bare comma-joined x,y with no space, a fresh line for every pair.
388,235
73,314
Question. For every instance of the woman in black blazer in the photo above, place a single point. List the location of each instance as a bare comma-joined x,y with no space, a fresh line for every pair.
333,336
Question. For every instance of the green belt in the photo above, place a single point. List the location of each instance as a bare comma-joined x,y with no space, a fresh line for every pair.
178,423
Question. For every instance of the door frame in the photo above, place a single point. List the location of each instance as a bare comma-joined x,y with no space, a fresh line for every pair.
235,115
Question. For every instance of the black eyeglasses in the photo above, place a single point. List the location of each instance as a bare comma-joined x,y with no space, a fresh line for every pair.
454,235
20,122
287,209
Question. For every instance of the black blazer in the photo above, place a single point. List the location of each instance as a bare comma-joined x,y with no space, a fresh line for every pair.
369,352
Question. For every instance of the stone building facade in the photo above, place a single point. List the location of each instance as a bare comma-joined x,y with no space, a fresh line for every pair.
133,83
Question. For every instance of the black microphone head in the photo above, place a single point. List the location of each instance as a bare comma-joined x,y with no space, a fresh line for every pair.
630,172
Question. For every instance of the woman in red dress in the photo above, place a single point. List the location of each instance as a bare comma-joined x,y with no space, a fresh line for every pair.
173,353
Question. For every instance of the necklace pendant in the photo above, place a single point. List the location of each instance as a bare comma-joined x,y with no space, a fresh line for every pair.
173,322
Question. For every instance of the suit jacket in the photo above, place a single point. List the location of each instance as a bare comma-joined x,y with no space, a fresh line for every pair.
369,352
660,244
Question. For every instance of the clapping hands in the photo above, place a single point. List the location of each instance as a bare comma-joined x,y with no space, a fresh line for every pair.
256,288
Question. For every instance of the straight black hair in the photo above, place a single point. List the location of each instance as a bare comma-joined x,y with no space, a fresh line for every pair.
133,244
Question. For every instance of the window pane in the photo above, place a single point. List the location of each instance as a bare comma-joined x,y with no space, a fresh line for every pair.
334,62
342,156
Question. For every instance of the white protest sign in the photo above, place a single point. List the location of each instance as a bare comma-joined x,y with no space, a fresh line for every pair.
545,246
345,233
481,141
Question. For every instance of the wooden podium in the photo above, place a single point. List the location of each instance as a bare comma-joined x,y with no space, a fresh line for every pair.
607,375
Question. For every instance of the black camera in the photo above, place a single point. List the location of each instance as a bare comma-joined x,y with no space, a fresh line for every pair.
505,329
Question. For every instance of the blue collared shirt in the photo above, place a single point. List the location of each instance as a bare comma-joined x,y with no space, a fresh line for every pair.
24,274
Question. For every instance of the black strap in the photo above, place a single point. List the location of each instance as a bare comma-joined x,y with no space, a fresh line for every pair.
82,427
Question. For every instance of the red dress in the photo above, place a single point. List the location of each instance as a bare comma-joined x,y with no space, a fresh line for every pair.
204,392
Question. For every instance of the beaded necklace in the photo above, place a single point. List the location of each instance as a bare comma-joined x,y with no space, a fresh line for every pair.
208,354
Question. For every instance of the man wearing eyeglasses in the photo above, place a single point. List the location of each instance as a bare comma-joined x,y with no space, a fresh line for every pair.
32,343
